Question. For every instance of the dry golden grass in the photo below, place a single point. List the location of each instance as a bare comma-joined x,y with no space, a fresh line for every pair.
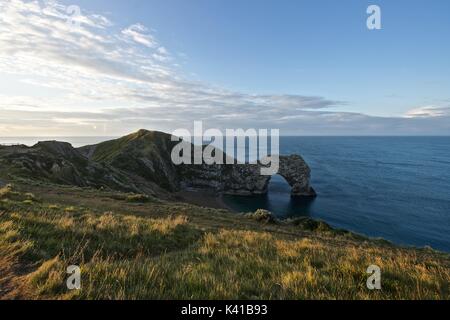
177,251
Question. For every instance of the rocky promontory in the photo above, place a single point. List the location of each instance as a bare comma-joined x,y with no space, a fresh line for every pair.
141,162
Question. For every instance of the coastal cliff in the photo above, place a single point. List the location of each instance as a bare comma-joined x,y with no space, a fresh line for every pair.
141,162
109,209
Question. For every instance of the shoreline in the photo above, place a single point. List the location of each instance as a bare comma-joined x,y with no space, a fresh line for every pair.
204,199
215,200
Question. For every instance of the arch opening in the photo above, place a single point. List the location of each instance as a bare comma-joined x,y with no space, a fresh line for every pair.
279,185
280,200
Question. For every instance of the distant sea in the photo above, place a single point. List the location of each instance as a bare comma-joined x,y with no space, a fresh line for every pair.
74,141
397,188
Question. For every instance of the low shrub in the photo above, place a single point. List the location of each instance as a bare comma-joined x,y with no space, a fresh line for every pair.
262,215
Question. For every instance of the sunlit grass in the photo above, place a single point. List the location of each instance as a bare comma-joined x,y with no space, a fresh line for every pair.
175,255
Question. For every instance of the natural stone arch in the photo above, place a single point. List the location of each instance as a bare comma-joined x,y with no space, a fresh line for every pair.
297,174
246,179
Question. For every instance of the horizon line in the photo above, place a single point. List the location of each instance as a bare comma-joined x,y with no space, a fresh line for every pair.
286,136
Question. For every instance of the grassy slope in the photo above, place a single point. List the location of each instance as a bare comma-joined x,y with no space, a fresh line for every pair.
139,248
143,153
142,141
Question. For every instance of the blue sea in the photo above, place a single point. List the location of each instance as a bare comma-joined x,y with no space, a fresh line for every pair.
397,188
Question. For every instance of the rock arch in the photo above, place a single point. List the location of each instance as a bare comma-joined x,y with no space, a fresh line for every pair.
246,179
298,174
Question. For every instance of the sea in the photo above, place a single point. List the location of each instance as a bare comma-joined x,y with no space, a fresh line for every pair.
396,188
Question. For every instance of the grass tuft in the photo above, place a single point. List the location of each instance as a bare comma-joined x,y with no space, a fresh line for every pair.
139,198
262,215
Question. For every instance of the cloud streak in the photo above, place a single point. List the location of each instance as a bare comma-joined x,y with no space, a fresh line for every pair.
120,79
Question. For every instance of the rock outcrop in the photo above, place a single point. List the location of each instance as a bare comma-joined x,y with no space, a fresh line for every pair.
141,162
246,179
59,162
298,174
146,154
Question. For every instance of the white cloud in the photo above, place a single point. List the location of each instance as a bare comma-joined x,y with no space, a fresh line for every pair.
162,51
428,111
122,81
140,34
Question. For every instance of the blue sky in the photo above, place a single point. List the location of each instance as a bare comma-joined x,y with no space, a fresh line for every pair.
306,67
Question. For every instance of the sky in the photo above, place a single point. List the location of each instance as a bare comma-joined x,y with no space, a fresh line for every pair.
307,67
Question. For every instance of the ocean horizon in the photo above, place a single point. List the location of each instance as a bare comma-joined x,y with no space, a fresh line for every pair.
395,188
